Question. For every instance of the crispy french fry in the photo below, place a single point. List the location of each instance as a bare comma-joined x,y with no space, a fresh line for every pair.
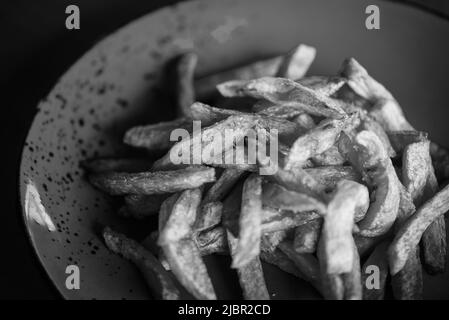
369,124
250,274
408,282
212,241
409,235
330,157
250,221
368,155
116,164
179,223
329,176
434,246
141,206
323,85
296,62
155,136
352,281
389,115
271,240
188,267
157,278
306,236
205,86
209,216
374,283
276,196
277,220
332,284
208,115
318,140
279,111
148,183
185,91
284,92
336,234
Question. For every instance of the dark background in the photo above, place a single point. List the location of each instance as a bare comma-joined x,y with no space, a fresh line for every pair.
35,51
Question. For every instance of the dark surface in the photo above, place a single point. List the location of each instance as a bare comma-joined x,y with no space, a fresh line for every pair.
36,49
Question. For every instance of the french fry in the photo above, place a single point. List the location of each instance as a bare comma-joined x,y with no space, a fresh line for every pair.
271,240
157,278
306,236
276,196
369,124
283,92
332,285
329,176
389,115
409,235
277,220
250,274
352,281
326,86
336,234
208,115
408,282
374,283
212,241
250,221
318,140
148,183
205,86
305,121
209,216
295,63
330,157
155,136
99,165
368,155
185,91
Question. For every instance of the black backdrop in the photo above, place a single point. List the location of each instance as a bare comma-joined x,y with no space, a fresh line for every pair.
35,49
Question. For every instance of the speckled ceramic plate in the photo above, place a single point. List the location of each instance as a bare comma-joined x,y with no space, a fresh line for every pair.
113,86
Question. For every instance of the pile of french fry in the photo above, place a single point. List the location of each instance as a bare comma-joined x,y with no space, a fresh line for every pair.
356,188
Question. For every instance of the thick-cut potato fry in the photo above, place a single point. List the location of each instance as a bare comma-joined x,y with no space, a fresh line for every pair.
284,92
208,216
411,232
276,196
352,281
306,263
148,183
332,286
180,222
373,286
212,241
326,86
250,274
185,91
155,136
336,234
295,63
329,176
157,278
420,181
206,86
305,121
250,221
187,265
371,125
408,282
330,157
306,236
368,155
208,115
400,139
299,180
202,148
140,206
277,220
318,140
98,165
